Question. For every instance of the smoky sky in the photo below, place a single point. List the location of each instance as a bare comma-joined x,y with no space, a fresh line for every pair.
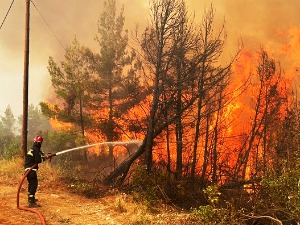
56,23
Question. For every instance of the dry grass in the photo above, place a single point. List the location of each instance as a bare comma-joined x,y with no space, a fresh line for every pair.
139,214
11,172
11,169
49,174
121,207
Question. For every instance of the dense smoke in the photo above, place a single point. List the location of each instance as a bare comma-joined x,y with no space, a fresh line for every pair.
56,23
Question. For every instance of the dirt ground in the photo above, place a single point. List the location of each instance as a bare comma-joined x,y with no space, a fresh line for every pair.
57,207
60,206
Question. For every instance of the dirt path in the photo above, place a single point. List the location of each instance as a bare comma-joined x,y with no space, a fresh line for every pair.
57,207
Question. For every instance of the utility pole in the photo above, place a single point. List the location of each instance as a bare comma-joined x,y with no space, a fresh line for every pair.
25,83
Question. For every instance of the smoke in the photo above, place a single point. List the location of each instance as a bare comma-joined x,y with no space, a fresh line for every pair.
258,23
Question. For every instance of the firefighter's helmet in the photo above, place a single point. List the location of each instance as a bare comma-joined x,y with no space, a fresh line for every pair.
38,139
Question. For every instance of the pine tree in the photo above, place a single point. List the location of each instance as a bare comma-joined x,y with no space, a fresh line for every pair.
116,86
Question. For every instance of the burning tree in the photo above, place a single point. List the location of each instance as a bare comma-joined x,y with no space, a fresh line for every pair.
71,82
116,85
96,89
189,125
186,111
181,73
270,100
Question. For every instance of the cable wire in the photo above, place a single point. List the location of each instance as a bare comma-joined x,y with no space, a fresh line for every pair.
48,25
7,13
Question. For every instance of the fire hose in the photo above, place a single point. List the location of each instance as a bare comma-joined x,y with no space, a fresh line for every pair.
49,157
25,208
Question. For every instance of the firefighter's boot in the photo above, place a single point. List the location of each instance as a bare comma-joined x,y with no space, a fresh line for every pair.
32,202
35,199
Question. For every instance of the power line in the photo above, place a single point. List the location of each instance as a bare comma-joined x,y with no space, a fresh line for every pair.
7,13
48,26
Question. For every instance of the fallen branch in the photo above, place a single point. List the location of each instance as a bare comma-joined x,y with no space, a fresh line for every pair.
264,217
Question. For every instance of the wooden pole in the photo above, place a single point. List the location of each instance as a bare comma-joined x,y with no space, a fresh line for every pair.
25,83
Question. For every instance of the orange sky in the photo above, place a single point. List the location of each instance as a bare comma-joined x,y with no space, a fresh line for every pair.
259,23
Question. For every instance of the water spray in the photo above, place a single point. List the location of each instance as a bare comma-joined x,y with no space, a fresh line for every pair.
95,144
50,155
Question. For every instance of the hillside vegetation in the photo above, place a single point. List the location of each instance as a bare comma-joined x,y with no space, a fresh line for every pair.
146,201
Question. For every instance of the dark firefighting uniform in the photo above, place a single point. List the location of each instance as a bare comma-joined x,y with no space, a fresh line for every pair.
33,156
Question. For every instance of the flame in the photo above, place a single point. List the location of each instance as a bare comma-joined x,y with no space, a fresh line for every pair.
59,125
236,116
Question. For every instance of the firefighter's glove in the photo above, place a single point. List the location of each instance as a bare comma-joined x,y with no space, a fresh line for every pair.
48,156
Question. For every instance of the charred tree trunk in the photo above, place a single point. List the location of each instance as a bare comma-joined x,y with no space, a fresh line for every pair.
205,149
179,147
85,158
168,143
215,140
151,125
168,150
214,153
179,128
117,177
110,135
198,122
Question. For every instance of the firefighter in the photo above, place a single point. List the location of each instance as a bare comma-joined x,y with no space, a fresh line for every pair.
33,156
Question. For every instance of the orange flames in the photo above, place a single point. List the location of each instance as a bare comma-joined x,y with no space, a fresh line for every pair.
237,115
59,125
